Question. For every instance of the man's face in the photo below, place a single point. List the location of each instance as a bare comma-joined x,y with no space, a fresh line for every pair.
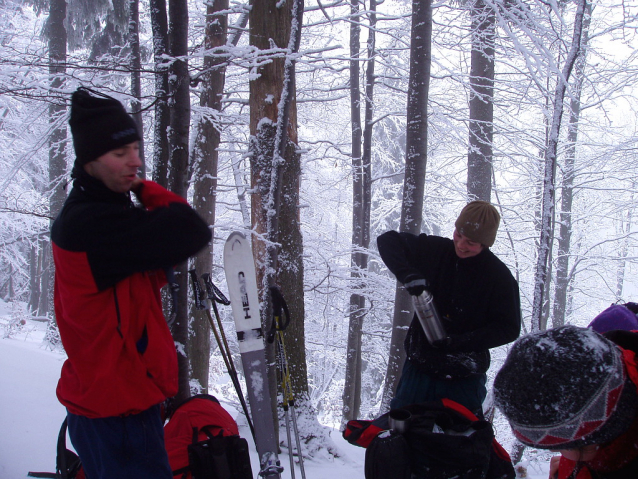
117,169
465,247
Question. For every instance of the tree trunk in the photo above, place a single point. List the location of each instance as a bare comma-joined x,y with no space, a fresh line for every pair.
414,182
270,27
625,225
57,139
34,280
563,277
159,23
479,158
548,206
136,80
179,104
352,386
205,157
361,204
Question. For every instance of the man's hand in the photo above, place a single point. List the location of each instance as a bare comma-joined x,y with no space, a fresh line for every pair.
416,286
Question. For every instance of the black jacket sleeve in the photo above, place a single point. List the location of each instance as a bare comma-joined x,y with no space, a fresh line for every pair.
122,240
398,251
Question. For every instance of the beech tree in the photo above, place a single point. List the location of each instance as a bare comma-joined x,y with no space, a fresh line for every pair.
414,181
159,23
563,276
136,74
179,105
205,161
361,204
549,179
481,127
57,139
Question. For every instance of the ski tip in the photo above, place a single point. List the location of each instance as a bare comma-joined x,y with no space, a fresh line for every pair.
235,236
235,241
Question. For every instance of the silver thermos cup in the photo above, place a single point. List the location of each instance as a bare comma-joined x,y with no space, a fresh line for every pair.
428,316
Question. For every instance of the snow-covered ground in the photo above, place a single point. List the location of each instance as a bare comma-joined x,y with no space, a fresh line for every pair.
30,414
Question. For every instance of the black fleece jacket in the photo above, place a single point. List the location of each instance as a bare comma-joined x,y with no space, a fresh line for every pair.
476,297
121,239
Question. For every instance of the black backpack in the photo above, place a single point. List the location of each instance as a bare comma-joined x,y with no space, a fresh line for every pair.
218,457
443,439
388,455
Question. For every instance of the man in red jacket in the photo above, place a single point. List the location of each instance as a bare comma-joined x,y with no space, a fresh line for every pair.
110,257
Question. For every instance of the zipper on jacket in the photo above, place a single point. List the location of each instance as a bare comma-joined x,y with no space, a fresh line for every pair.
117,312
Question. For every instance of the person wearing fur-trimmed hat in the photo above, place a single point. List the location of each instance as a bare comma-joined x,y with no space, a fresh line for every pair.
574,391
476,296
110,260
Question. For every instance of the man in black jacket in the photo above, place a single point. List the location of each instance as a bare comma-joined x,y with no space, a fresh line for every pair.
477,299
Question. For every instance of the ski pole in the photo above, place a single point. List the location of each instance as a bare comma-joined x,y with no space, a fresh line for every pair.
289,402
277,334
225,352
214,295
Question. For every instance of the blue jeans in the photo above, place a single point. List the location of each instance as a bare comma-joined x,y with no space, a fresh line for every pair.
416,387
127,447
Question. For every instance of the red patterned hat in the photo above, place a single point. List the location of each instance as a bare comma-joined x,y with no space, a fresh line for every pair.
565,388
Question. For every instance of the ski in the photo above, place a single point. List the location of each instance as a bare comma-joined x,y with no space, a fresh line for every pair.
244,300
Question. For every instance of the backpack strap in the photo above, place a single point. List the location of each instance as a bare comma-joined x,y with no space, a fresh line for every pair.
67,463
61,459
462,410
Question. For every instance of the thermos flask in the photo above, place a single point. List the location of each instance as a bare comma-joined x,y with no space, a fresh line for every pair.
428,316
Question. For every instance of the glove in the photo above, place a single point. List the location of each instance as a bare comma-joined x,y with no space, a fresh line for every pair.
416,286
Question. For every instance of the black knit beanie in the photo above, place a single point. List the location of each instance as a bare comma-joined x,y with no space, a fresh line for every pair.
99,124
479,221
565,388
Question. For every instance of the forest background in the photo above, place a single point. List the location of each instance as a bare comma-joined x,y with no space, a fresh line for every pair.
396,114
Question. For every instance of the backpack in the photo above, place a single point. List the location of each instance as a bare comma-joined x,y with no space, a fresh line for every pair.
202,442
444,439
388,456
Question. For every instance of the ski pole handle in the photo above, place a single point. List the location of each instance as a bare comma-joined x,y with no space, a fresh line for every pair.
279,306
198,294
214,294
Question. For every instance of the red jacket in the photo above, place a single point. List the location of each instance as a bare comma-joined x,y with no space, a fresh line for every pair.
109,258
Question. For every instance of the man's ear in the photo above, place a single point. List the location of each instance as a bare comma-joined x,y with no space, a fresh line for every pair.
88,167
